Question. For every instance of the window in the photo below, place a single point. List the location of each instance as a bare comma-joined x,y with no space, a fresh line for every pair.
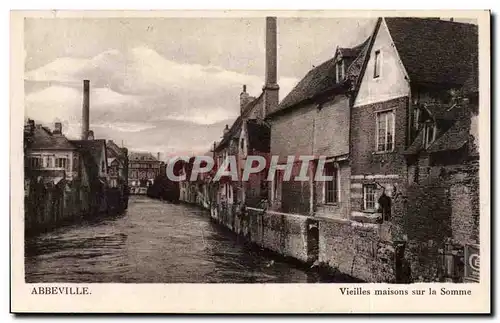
331,187
416,114
278,182
35,162
369,196
339,69
385,131
61,162
429,134
242,143
376,65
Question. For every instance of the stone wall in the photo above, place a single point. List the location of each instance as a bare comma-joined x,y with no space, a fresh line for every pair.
356,250
289,235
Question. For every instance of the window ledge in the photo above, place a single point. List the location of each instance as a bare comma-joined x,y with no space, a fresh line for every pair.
331,204
383,152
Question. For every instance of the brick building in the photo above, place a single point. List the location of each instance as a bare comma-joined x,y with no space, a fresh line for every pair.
411,62
313,120
250,134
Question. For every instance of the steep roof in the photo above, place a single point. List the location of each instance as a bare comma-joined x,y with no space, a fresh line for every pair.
322,78
433,50
94,148
259,136
44,139
454,138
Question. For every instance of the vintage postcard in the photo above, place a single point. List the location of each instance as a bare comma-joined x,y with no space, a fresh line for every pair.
250,161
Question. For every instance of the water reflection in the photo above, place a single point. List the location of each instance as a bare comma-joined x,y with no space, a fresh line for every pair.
153,242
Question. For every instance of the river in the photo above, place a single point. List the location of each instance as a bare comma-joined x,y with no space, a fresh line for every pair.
154,242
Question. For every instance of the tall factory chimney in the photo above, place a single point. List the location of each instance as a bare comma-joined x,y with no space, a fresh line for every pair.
271,87
85,109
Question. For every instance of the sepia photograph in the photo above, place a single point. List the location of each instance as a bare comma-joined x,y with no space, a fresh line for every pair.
326,150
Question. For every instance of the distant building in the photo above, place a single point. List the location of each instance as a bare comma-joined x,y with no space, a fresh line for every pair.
117,159
50,152
142,170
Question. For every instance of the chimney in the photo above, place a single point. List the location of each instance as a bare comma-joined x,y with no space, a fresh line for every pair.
271,88
57,128
90,135
158,155
226,130
85,109
243,98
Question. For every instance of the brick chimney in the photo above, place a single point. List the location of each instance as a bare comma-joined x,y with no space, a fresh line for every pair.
243,98
57,128
158,155
85,109
225,131
271,87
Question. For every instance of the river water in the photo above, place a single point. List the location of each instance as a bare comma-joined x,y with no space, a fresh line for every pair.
154,242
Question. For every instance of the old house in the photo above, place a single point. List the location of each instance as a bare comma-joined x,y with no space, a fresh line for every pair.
250,134
51,150
51,176
313,120
412,172
94,170
142,170
411,62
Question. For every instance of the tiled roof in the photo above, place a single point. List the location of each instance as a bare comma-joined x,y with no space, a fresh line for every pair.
44,139
259,136
92,147
135,156
433,50
455,138
321,79
472,84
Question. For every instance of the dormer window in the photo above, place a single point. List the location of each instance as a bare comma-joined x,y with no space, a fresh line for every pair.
339,70
429,133
376,65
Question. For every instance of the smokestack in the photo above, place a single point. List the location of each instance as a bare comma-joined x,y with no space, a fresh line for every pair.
85,109
271,88
158,155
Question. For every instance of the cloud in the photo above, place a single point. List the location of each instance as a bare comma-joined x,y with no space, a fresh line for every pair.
133,91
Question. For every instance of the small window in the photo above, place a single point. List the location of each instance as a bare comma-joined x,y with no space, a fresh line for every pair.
385,131
61,162
242,144
340,72
376,65
429,134
369,191
331,187
278,183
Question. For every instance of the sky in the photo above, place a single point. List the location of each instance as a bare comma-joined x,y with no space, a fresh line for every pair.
166,85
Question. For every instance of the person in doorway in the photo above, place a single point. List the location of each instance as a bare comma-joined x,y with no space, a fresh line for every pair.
384,203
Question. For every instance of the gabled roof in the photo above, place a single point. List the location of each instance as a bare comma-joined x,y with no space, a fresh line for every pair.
434,51
140,156
453,139
259,136
322,79
44,139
